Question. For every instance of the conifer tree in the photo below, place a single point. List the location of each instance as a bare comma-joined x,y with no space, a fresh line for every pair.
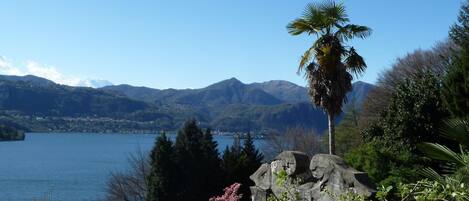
240,162
253,156
253,161
200,176
233,162
456,82
162,185
188,149
213,172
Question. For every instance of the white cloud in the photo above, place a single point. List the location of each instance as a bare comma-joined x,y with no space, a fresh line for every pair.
7,68
48,72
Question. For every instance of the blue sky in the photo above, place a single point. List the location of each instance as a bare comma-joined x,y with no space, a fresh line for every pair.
191,44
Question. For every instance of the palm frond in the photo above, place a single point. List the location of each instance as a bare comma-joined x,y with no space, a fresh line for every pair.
354,62
335,12
299,26
431,174
351,31
310,70
441,152
318,18
456,129
306,59
311,22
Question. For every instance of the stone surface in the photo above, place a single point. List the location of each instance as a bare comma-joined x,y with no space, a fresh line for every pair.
315,179
262,177
258,193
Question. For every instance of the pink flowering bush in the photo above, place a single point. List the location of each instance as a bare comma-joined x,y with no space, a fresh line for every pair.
231,194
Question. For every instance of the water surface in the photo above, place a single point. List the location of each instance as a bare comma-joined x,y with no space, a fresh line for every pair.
68,166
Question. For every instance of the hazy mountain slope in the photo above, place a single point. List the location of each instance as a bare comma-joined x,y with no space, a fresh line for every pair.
226,92
27,78
277,117
38,97
228,105
283,90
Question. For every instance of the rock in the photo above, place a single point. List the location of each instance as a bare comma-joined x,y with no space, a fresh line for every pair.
295,162
262,177
315,179
334,174
258,193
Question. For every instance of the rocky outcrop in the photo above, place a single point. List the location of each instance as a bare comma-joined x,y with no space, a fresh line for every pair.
318,179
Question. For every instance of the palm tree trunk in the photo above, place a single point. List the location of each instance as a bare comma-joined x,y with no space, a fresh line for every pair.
330,118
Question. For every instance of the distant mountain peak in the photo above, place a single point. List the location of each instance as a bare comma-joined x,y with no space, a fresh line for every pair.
232,82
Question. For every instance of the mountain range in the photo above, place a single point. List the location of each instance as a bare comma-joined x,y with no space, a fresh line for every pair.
229,105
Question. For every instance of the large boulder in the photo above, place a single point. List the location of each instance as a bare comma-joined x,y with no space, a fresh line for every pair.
317,179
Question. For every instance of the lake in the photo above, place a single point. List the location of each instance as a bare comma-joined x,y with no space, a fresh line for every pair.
69,166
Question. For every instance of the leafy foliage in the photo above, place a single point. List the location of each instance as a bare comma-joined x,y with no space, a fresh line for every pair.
290,189
408,67
390,154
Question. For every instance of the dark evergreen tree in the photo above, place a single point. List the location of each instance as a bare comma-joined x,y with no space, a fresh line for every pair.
240,162
213,172
162,185
188,149
200,176
456,82
233,162
253,160
459,32
253,156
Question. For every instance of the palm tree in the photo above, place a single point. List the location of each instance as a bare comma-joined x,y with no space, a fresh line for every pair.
329,63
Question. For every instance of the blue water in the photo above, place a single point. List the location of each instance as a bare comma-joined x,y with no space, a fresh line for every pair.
68,166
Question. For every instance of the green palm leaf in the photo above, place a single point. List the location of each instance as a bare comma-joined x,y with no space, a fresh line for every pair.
351,31
431,174
354,62
441,152
456,129
306,58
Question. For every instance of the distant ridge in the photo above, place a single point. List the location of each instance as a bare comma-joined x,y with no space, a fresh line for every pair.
228,105
27,78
